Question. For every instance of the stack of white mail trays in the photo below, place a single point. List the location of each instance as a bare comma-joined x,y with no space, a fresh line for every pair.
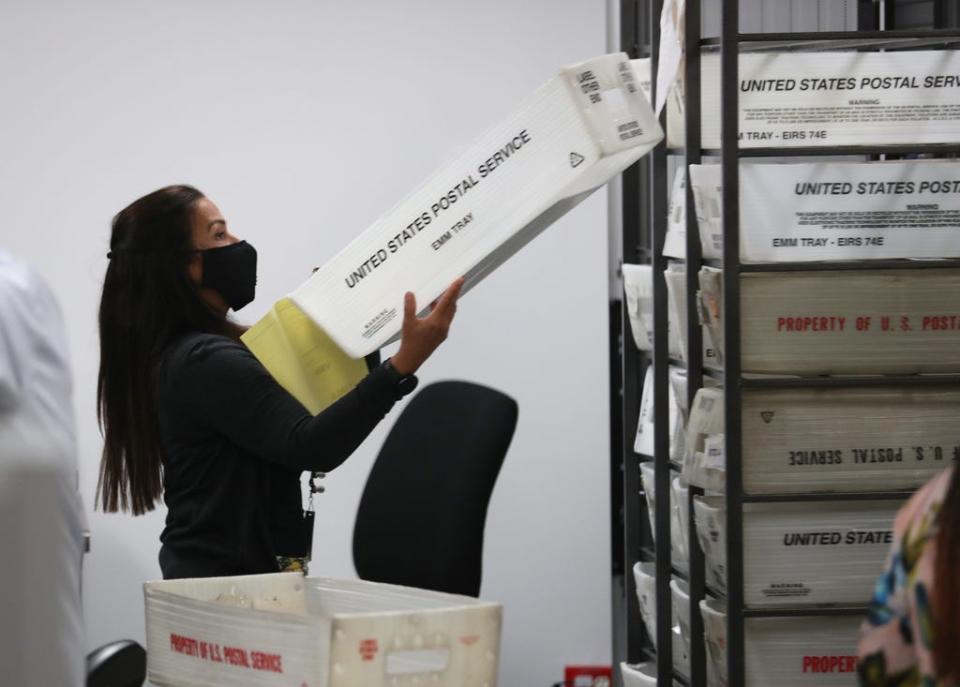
849,330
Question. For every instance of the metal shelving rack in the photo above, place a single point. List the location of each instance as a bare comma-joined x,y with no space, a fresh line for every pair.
632,538
644,230
693,155
731,44
644,210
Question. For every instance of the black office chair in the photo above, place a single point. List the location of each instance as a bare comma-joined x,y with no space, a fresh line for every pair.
118,664
421,517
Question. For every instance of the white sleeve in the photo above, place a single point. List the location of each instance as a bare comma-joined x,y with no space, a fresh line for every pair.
14,346
41,628
41,625
33,348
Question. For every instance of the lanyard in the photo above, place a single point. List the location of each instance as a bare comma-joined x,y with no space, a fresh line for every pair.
315,487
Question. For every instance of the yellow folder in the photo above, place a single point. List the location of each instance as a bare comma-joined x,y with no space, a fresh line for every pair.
302,358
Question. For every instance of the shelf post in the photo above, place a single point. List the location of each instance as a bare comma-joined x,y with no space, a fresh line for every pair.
692,144
729,61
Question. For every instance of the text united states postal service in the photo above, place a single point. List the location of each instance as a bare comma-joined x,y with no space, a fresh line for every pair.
837,98
836,210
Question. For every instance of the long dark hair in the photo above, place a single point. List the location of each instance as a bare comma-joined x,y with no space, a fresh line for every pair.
148,301
946,585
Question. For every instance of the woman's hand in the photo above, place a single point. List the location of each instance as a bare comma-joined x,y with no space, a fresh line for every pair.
421,336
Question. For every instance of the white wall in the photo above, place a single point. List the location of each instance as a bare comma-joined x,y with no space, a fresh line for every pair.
304,121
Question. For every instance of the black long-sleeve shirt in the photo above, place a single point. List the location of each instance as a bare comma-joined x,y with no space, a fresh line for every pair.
233,444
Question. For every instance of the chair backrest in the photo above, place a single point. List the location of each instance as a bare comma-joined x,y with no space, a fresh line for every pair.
422,513
118,664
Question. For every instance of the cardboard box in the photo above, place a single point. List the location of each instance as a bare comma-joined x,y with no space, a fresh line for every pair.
800,554
867,439
786,652
285,629
843,322
565,140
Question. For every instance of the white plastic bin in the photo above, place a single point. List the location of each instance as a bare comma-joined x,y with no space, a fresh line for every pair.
676,279
679,523
678,528
287,630
704,464
678,405
648,482
711,526
644,575
714,615
643,441
638,291
680,603
640,675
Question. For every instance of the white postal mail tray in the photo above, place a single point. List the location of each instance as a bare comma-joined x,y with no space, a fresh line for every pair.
829,99
800,554
889,321
562,142
862,439
835,210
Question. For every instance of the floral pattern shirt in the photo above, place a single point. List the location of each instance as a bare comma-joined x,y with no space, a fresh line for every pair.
896,639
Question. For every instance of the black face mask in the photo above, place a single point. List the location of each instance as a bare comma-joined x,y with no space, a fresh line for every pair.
232,272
